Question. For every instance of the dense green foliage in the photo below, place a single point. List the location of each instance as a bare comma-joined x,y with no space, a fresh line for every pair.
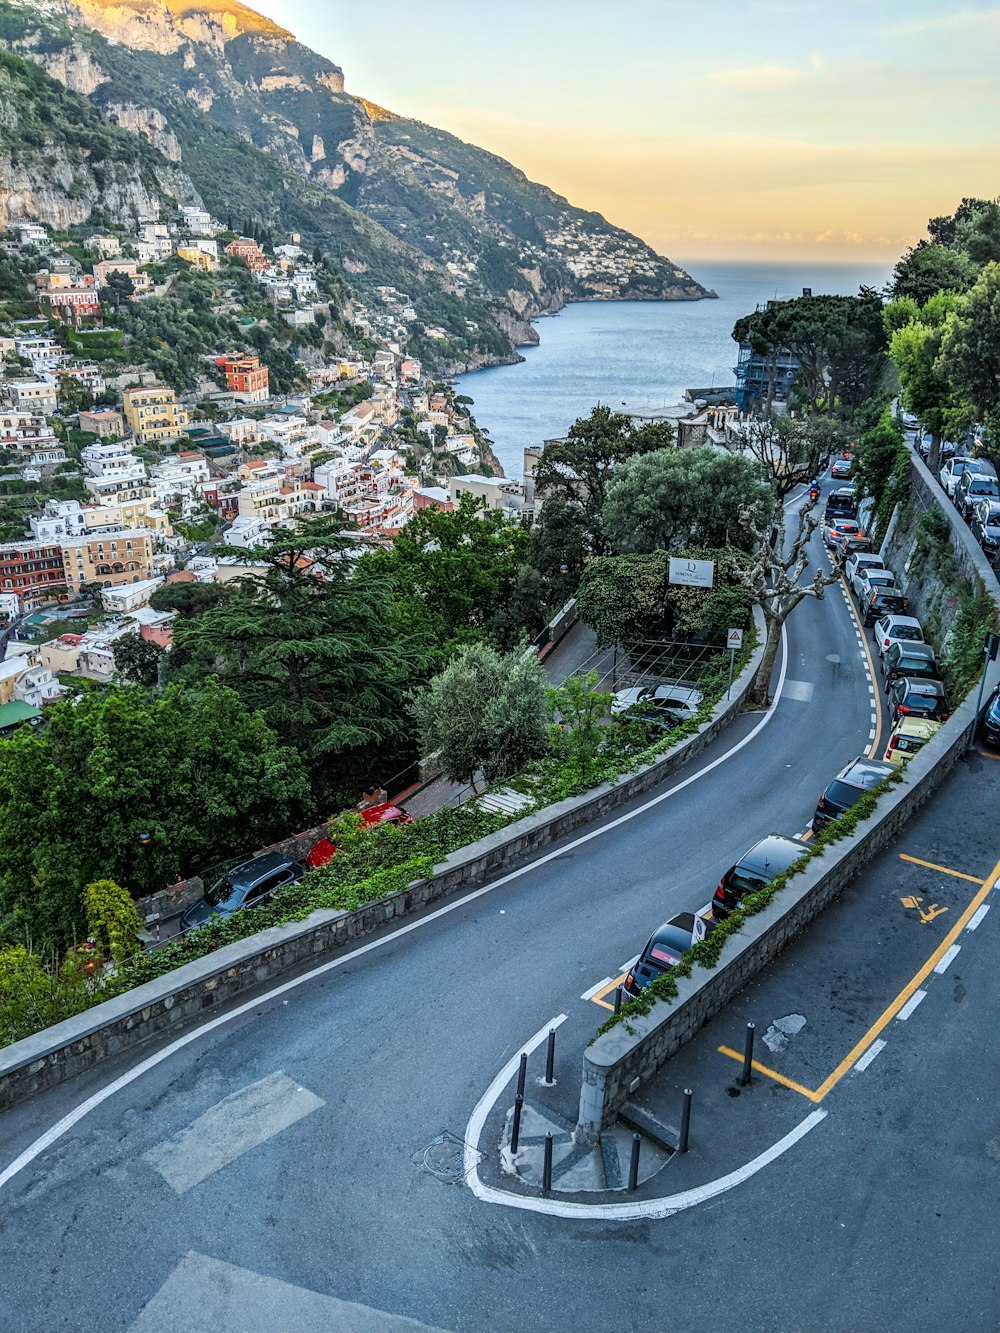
190,766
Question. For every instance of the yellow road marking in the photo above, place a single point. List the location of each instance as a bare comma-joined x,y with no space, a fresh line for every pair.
598,996
861,1046
806,836
856,1052
876,744
945,870
772,1073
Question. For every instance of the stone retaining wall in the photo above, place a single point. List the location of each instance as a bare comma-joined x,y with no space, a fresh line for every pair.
161,1006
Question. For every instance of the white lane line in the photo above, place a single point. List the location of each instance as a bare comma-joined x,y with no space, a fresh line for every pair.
910,1005
594,989
869,1055
948,959
978,917
626,967
474,1129
57,1130
665,1207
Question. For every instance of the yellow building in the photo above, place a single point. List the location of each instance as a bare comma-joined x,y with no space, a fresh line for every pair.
154,414
195,257
128,514
119,557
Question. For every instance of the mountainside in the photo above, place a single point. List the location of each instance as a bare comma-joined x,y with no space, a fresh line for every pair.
262,128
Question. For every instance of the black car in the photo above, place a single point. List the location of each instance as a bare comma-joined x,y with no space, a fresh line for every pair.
665,948
991,719
910,697
972,487
246,885
848,787
910,659
840,503
763,862
881,602
985,525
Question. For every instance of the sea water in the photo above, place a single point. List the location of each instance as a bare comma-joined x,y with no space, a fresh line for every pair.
637,355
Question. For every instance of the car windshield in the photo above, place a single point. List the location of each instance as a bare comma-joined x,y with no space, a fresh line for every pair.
220,892
911,633
883,577
915,666
842,794
927,692
742,884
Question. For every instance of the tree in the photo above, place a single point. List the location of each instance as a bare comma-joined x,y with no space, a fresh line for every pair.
188,599
789,449
969,358
137,660
557,548
882,466
580,710
929,268
484,711
72,396
112,920
452,573
190,766
578,469
914,349
624,597
671,498
772,580
316,648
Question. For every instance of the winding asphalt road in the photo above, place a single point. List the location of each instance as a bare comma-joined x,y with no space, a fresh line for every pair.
297,1157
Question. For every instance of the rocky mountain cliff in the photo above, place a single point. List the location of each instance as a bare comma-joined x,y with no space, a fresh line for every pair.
261,128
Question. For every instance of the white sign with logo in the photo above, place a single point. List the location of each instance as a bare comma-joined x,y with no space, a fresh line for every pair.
692,573
734,638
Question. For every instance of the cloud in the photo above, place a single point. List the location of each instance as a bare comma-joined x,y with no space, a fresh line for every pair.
752,76
965,20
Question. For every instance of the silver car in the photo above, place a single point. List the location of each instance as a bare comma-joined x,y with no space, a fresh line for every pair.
673,699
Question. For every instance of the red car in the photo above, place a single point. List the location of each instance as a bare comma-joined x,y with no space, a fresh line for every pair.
324,850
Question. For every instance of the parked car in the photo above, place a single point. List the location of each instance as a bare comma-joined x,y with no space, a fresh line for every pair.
881,602
908,736
840,469
910,659
870,579
763,862
910,697
384,813
853,542
665,947
857,561
909,420
896,629
973,486
672,698
841,528
841,503
848,787
246,885
951,473
990,728
985,524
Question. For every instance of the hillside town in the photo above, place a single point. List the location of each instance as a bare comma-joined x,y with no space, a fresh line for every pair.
126,482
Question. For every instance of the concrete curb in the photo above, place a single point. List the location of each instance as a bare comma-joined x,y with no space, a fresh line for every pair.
159,1007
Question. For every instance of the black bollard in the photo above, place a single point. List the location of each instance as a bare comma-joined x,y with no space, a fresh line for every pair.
618,999
633,1166
550,1056
515,1129
547,1165
747,1056
521,1073
685,1120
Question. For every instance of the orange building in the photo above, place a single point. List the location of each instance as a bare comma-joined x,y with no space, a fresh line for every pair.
250,252
245,377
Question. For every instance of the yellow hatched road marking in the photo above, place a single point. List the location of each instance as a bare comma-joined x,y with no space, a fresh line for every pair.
945,870
771,1073
598,996
890,1013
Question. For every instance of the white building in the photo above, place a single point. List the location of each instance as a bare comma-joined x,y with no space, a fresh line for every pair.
247,530
198,222
32,233
130,596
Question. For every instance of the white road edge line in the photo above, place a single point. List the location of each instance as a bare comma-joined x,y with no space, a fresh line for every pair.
978,917
877,1045
57,1130
948,959
665,1207
910,1005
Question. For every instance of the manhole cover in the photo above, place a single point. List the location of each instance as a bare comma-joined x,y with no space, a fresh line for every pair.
445,1158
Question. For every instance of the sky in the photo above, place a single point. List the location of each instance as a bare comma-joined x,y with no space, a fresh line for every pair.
770,129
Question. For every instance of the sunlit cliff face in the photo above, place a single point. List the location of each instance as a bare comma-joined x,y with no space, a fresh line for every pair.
165,25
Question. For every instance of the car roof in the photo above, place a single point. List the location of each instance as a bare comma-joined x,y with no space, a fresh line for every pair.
922,685
865,772
911,648
773,854
922,727
910,622
258,868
